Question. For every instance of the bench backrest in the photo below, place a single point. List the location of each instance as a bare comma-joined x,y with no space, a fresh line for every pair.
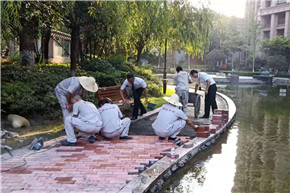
112,92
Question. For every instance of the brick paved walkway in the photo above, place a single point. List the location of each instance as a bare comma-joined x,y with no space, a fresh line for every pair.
104,166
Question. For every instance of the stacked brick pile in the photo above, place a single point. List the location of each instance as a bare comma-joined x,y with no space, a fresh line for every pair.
219,118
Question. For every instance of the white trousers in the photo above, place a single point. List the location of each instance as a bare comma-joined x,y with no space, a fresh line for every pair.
183,98
172,131
123,131
73,122
63,104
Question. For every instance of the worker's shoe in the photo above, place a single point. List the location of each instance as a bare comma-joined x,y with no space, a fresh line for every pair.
204,117
174,139
142,113
66,143
133,118
92,139
126,138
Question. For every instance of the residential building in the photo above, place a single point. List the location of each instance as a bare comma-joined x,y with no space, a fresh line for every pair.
274,17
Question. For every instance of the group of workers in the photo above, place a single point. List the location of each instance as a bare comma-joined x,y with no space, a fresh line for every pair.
108,120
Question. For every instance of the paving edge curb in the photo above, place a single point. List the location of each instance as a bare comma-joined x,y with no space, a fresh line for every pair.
153,178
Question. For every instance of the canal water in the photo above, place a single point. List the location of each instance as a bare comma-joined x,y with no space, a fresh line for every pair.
253,156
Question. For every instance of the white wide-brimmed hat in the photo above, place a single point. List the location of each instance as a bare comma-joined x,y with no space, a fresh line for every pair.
89,83
173,99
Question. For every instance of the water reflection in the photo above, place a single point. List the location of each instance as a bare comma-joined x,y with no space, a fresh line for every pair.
253,157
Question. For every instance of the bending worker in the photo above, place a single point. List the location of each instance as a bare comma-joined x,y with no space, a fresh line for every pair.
181,80
137,85
113,124
86,118
70,87
210,91
171,120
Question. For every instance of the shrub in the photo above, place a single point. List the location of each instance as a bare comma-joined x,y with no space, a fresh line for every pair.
97,65
28,90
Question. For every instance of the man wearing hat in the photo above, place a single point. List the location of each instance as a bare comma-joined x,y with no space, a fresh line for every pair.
171,120
70,87
181,80
86,118
138,85
210,91
113,124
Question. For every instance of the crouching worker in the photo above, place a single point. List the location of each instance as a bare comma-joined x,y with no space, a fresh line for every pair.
112,124
86,118
171,120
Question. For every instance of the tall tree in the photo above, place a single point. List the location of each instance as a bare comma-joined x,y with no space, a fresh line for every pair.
277,46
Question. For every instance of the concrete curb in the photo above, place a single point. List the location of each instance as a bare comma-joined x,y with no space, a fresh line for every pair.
153,178
148,114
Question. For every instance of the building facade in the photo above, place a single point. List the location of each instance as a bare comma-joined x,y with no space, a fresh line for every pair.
274,17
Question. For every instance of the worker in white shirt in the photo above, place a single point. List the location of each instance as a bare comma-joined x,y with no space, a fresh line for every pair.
113,124
181,80
210,90
86,118
70,87
138,85
171,120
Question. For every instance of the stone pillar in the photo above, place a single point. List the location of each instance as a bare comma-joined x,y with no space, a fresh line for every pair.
287,24
273,26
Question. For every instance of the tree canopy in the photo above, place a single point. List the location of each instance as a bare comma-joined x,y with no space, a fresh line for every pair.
105,28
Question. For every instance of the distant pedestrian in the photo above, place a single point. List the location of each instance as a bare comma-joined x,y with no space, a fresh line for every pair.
210,91
113,124
181,80
71,87
86,118
138,85
171,120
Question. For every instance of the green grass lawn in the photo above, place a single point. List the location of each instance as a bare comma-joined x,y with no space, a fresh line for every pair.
159,101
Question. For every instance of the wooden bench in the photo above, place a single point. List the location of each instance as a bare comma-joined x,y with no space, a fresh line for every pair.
113,93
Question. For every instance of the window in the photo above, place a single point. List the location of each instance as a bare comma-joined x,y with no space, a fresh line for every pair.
62,47
281,18
267,21
268,3
266,34
280,2
280,32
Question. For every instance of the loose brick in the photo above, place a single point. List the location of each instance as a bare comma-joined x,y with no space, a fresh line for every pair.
212,130
203,128
202,134
217,117
218,111
217,122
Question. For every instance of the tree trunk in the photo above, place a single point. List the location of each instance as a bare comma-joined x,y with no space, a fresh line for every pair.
188,61
75,31
81,50
139,52
27,49
46,39
164,70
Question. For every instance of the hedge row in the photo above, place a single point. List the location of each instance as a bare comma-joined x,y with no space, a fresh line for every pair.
28,90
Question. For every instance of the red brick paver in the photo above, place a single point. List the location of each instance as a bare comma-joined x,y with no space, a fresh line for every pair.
104,166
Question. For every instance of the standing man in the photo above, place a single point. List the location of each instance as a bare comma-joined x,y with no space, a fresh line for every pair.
138,85
181,80
113,124
71,87
210,91
171,120
86,118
